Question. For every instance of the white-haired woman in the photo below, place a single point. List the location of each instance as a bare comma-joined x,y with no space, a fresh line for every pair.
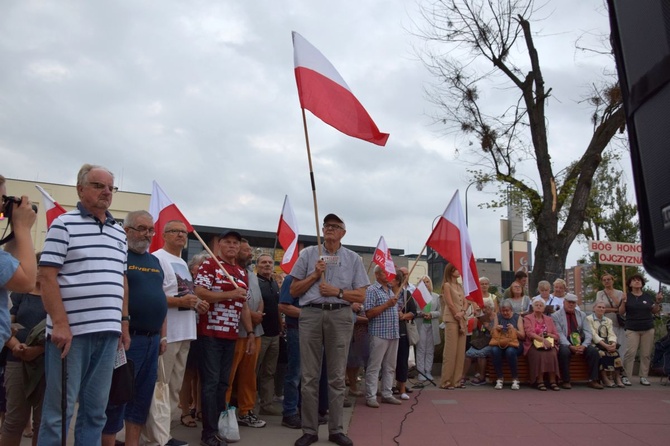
484,284
429,332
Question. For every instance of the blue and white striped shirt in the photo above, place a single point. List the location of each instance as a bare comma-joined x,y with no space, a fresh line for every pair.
91,257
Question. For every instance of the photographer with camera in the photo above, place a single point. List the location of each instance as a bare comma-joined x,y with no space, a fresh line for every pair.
18,267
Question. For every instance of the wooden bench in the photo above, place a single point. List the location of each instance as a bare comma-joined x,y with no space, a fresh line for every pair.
579,371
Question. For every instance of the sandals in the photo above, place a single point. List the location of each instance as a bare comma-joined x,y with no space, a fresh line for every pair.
554,387
188,420
542,387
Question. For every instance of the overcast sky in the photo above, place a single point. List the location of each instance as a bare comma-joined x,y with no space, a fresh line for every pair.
201,97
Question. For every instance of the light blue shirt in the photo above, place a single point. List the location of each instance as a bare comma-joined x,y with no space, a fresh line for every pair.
8,266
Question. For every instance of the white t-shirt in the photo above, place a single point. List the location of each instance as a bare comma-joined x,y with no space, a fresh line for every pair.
181,323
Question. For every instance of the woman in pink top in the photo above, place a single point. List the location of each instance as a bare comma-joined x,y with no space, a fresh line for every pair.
542,353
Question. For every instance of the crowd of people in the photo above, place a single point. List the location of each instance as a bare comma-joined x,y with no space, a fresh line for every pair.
95,303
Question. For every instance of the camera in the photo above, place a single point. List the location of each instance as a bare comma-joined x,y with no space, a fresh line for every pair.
7,205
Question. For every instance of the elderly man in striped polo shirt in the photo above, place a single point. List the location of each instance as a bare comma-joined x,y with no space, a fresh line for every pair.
383,327
82,272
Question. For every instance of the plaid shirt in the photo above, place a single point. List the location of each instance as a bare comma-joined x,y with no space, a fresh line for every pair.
386,324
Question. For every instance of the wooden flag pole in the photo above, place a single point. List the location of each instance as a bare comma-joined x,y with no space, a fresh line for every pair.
311,178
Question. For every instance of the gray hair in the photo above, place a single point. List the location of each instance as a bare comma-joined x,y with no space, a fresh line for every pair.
133,216
544,284
197,259
82,176
506,304
483,278
561,281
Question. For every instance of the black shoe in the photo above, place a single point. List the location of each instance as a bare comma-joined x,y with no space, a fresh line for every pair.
306,440
340,439
292,421
175,442
212,441
323,419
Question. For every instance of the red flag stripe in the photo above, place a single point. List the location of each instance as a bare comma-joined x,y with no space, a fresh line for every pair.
322,91
163,210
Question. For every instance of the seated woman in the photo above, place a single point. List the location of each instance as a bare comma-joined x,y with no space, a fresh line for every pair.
479,348
604,338
519,301
541,346
503,321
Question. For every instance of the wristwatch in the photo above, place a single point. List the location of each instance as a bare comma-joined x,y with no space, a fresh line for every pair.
125,318
340,294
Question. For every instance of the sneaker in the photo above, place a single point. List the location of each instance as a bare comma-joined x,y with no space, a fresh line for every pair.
250,420
429,376
499,384
392,400
292,421
278,399
175,442
626,381
644,381
421,378
372,403
515,384
404,396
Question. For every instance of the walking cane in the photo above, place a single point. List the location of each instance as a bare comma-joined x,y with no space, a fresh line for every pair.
63,401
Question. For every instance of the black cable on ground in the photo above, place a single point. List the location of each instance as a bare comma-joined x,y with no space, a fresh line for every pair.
411,409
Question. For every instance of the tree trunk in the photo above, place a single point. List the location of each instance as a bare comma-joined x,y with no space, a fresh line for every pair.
549,262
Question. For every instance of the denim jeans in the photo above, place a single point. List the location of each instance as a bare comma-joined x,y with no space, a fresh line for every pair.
292,378
216,359
90,363
143,353
512,355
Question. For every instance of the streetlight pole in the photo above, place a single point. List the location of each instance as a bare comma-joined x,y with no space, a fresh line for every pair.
480,185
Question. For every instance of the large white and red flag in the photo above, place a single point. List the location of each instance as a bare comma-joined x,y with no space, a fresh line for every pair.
382,257
53,209
287,234
163,210
323,92
451,240
421,295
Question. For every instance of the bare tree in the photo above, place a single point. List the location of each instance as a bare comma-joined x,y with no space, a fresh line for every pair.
490,33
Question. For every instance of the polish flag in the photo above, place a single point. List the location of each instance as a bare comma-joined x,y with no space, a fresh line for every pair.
382,257
52,207
323,92
287,233
451,240
163,210
421,295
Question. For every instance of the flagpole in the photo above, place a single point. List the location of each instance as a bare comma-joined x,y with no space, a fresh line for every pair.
209,251
311,177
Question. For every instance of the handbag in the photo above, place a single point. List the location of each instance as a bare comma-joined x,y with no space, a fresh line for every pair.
481,337
228,428
540,344
621,320
412,333
123,384
504,338
157,427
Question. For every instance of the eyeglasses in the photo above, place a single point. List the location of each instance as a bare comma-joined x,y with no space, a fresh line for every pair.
100,186
176,231
332,226
143,230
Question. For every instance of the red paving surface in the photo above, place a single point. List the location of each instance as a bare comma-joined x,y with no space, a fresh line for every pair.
483,416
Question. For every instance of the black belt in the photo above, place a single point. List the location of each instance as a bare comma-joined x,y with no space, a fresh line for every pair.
327,306
134,332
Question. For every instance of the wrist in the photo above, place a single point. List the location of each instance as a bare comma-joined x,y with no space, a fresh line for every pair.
164,339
